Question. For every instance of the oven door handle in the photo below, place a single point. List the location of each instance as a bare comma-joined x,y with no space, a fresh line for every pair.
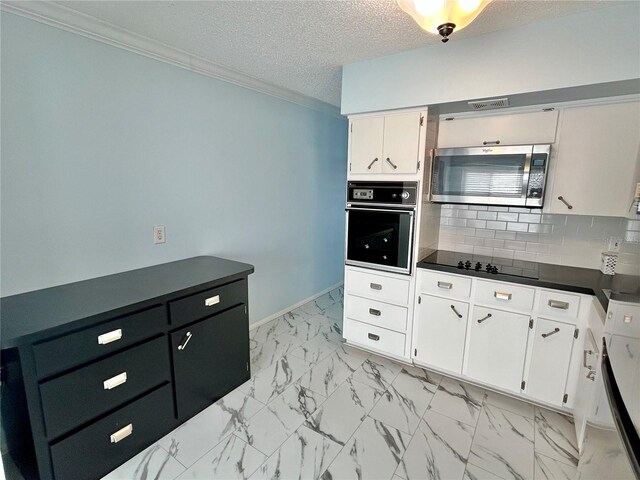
398,210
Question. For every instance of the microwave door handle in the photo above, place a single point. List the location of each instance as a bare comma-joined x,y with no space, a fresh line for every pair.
525,176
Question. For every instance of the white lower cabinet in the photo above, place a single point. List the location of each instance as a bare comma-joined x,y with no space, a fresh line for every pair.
440,331
549,362
497,347
374,337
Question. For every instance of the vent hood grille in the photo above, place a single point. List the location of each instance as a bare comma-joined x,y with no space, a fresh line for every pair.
487,104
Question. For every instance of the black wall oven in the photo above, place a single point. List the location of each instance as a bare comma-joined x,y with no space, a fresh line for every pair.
380,225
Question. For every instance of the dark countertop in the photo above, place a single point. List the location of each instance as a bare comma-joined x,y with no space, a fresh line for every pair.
625,288
29,313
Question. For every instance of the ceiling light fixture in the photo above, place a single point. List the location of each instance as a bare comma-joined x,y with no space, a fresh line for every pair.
443,16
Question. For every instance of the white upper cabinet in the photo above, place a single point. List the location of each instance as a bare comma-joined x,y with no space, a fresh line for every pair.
512,129
596,160
388,144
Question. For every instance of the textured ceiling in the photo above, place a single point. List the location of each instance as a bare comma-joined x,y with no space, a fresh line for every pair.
301,45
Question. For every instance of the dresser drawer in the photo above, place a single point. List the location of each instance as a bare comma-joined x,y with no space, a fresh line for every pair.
96,450
443,285
504,295
558,304
79,396
376,313
374,337
377,287
89,344
201,305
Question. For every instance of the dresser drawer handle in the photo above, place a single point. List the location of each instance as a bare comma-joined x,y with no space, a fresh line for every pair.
375,312
374,337
122,433
446,285
453,307
185,340
375,286
552,332
502,295
559,304
211,301
113,382
110,337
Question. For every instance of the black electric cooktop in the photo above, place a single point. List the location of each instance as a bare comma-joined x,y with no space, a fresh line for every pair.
481,263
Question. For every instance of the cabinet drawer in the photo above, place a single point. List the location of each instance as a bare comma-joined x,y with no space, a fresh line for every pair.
374,337
89,344
376,313
378,287
557,304
504,295
444,285
92,452
77,397
203,304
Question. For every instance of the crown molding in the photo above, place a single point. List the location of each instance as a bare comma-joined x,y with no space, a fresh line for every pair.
59,16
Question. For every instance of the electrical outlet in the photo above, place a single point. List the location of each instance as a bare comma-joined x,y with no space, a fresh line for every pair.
614,244
159,234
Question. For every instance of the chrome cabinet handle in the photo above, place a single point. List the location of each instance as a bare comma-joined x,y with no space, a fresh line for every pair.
453,307
629,351
110,337
185,341
491,142
591,375
371,164
113,382
553,332
391,163
584,359
502,295
375,286
211,301
445,285
559,304
122,433
485,318
561,198
375,312
374,337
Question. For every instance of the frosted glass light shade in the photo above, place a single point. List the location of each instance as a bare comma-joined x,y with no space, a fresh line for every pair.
430,14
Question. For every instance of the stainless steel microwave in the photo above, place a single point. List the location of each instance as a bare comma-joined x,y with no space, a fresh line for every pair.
493,175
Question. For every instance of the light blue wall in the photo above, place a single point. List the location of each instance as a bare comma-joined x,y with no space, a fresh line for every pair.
592,47
100,144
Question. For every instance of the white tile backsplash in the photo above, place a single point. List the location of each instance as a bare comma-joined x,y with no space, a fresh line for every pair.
528,235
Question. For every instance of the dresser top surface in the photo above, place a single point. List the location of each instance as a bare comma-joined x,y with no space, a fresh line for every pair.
28,313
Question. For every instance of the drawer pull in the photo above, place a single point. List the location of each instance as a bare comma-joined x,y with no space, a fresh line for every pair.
586,353
371,164
375,312
211,301
374,337
480,320
446,285
569,206
453,307
375,286
113,382
553,332
502,295
185,341
122,433
559,304
110,337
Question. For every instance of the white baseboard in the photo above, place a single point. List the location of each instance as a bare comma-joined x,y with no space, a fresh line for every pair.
255,325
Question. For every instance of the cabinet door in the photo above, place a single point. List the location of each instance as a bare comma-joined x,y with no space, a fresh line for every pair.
497,347
549,362
366,138
401,143
512,129
596,160
440,332
210,358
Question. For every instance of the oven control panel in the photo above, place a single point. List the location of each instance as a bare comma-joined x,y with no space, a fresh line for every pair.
362,194
383,193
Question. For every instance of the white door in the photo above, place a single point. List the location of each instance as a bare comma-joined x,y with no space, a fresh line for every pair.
549,363
596,160
401,143
440,333
497,347
366,136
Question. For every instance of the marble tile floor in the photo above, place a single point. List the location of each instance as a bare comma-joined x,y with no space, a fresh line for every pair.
316,408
